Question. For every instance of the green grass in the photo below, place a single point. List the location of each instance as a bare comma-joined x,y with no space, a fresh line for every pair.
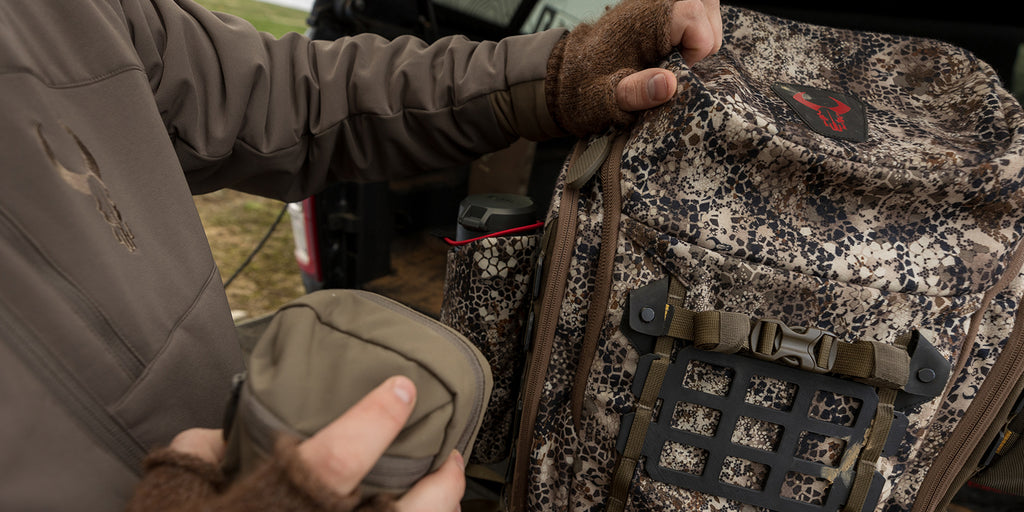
274,19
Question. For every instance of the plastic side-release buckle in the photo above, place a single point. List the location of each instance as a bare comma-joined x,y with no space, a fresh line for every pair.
796,348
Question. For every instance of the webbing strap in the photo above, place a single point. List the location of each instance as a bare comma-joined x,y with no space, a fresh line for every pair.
868,461
720,331
875,443
877,363
766,341
644,414
630,456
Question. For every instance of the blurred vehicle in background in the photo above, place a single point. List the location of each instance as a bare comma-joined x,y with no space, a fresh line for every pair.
343,235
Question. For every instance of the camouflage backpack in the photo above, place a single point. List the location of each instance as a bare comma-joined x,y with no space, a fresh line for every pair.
793,288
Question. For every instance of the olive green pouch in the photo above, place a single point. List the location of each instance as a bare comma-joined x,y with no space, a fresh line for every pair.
323,352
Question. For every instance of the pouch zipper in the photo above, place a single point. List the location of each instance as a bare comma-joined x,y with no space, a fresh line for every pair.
127,359
466,350
74,397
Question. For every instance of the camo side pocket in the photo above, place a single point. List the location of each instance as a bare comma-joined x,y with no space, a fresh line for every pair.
486,298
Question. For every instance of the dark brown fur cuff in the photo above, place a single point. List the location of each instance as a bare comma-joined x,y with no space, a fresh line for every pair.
286,484
589,62
175,481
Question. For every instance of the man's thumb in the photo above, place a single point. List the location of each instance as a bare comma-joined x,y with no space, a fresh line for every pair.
645,89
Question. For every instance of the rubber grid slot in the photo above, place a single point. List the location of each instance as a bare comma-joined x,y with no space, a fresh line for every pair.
755,431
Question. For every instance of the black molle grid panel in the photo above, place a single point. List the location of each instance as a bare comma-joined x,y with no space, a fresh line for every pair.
754,451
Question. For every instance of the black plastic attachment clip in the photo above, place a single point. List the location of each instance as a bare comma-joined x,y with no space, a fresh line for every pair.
796,348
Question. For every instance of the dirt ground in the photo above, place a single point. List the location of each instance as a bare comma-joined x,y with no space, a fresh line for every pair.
235,223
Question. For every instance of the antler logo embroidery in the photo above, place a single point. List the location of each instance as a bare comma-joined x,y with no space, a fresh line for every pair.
843,116
88,180
831,116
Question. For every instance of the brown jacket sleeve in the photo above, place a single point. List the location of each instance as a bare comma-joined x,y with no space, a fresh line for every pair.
282,117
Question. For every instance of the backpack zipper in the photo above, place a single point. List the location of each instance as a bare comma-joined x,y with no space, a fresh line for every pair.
611,205
947,470
975,425
554,292
87,310
74,397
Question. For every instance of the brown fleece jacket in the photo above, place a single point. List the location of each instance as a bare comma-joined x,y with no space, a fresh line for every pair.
178,482
589,62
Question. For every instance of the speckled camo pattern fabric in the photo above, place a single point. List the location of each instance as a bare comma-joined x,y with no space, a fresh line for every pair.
729,191
485,298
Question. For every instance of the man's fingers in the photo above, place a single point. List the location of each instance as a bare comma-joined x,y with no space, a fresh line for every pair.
343,452
441,490
645,89
205,443
714,10
696,28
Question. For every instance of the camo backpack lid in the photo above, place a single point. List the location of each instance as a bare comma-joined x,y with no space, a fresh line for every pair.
851,195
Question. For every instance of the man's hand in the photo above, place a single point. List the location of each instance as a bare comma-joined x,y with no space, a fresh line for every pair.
696,30
341,454
600,73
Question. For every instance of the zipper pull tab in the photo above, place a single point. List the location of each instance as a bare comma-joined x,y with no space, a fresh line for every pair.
587,164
